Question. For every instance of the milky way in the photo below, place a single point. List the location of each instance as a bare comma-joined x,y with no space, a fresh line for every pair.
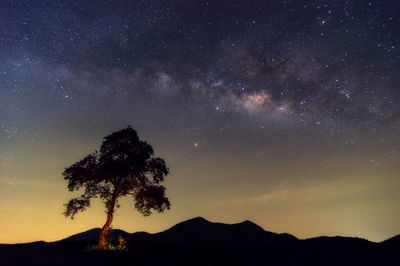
290,107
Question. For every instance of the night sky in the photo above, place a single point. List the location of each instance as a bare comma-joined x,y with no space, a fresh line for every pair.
286,113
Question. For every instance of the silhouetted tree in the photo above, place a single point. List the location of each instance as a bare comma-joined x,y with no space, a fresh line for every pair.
124,166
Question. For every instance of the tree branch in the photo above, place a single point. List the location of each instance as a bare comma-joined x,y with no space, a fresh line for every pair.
75,205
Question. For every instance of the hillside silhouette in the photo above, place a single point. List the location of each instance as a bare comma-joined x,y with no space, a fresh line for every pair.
196,231
201,242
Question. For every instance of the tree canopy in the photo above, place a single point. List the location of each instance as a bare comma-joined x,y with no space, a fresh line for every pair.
124,166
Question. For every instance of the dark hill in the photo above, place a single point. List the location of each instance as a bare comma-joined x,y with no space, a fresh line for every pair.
195,231
92,235
201,242
89,235
394,241
200,231
339,241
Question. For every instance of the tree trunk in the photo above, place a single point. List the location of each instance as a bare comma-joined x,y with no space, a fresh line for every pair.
103,233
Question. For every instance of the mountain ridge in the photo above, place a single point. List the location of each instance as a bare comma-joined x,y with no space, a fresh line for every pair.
198,241
192,231
200,223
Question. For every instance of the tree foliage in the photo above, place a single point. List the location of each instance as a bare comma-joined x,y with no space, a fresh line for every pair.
124,166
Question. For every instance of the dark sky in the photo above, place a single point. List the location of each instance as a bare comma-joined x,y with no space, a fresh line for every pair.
285,113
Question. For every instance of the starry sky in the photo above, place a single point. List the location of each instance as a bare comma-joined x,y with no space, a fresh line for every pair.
286,113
